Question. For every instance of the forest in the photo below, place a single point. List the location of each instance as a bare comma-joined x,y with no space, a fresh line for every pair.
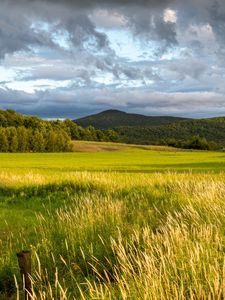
177,134
20,133
206,134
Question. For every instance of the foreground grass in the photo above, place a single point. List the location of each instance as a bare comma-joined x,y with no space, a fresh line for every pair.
113,235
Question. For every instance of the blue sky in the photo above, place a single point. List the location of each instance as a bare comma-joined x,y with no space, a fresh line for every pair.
73,58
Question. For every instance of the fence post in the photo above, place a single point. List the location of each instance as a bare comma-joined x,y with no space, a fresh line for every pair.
24,260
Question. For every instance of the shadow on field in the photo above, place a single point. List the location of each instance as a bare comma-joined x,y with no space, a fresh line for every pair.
43,190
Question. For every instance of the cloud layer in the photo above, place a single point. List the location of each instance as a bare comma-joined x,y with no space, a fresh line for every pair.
71,58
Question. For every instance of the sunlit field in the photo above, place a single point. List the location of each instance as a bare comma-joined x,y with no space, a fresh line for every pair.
129,224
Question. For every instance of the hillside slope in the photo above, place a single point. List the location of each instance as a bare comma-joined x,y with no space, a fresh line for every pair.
211,129
115,118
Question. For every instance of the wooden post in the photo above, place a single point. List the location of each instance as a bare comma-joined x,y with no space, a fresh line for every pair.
24,260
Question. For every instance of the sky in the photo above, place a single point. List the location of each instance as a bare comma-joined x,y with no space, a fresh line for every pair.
68,59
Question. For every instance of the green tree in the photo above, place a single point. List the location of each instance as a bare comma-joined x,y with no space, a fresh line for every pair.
100,135
51,141
12,139
90,133
197,142
4,145
38,141
72,129
111,135
23,139
64,142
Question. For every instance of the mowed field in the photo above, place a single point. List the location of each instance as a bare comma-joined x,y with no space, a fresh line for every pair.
115,222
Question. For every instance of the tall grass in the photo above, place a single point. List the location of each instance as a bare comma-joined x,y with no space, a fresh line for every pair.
117,236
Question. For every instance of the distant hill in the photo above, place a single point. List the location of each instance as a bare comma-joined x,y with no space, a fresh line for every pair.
116,118
140,129
212,129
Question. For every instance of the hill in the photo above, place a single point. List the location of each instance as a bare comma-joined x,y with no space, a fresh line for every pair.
140,129
212,129
116,118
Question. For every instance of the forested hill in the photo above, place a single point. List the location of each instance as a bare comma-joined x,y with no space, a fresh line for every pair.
116,118
140,129
211,129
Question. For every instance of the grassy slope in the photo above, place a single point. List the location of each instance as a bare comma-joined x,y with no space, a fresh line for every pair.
115,235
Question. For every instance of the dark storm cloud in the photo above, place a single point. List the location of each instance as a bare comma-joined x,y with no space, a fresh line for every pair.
17,33
217,12
81,28
102,3
201,12
76,103
144,18
11,97
151,26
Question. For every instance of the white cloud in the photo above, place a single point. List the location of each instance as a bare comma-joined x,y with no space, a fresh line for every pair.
170,15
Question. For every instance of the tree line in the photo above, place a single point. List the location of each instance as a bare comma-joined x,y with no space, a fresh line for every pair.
20,133
23,139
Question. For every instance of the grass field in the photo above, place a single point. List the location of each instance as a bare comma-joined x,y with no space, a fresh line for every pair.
124,223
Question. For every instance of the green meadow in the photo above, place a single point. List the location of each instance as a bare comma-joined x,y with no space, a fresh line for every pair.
128,160
136,223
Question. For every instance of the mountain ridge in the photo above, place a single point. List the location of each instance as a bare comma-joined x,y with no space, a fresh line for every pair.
140,129
116,118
